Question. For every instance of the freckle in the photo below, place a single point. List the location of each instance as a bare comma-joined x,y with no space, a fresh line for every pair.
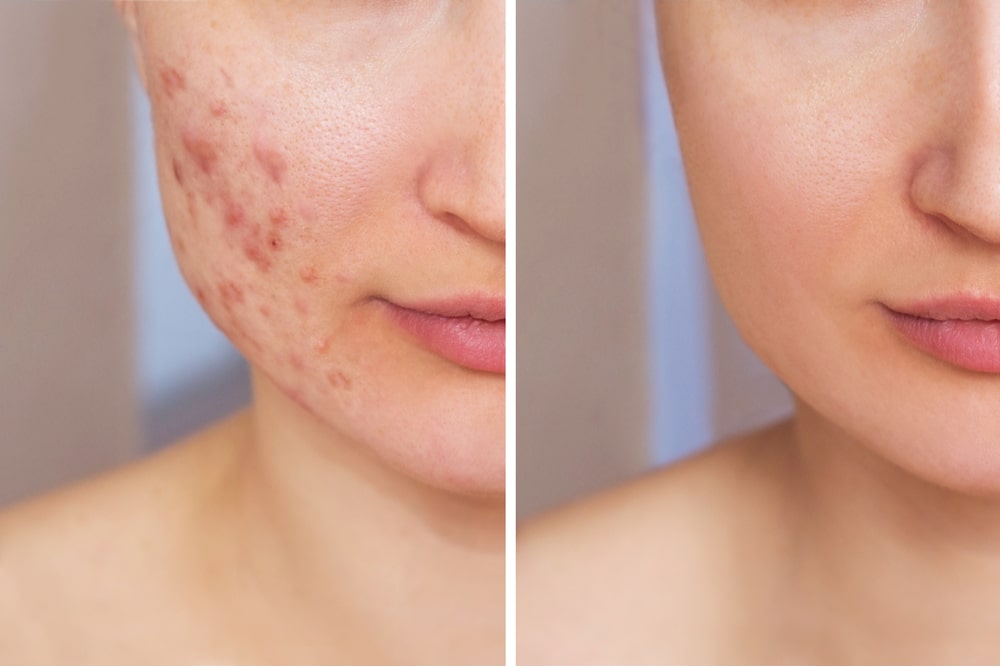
309,275
271,160
278,217
219,109
201,150
172,81
177,172
254,254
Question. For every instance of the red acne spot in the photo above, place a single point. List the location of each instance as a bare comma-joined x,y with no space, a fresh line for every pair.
338,379
323,346
218,109
278,217
300,306
234,214
255,255
296,361
201,150
309,275
265,311
274,241
272,161
172,81
178,176
199,294
231,293
342,279
181,247
308,212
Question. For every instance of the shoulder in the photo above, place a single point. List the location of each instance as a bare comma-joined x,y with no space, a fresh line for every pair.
642,573
93,558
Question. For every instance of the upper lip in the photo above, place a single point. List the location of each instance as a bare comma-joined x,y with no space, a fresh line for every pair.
953,307
480,307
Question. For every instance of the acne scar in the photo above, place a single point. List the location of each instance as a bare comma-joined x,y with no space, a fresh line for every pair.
323,346
278,217
338,379
309,275
274,241
234,214
271,160
231,293
200,149
172,81
218,109
177,172
255,255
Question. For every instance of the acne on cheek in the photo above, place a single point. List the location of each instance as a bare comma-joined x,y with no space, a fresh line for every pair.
206,166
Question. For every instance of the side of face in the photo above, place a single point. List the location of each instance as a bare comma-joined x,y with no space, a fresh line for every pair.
841,156
318,160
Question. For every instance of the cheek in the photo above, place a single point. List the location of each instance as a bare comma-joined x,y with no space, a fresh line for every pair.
268,240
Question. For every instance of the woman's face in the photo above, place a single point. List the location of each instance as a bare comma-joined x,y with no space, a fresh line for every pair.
843,159
332,175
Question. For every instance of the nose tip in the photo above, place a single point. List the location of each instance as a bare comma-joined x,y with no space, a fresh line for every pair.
960,185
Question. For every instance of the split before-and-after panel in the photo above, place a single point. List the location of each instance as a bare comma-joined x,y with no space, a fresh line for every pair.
254,393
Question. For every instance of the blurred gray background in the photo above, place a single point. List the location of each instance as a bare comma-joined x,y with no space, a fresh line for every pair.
626,359
103,353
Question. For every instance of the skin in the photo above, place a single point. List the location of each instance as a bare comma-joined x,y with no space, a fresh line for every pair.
354,513
840,155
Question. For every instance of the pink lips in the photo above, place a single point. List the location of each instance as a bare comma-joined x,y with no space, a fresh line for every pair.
470,332
961,330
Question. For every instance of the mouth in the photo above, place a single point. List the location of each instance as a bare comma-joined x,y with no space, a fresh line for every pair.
960,330
467,331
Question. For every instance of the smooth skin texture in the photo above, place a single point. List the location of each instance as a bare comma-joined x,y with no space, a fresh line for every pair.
840,155
315,160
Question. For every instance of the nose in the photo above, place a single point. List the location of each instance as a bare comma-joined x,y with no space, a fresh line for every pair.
464,183
957,179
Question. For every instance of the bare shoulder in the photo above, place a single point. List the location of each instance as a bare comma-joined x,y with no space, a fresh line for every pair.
640,574
95,555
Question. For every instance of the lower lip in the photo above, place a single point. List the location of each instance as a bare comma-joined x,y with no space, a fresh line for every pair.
475,344
970,344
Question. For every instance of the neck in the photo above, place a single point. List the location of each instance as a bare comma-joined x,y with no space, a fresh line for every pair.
883,565
340,540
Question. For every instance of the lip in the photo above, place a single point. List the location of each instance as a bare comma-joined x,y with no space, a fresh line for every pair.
961,330
468,331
